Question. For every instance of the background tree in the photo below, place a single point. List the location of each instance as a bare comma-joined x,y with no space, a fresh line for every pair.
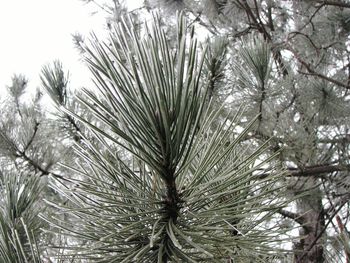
32,143
21,169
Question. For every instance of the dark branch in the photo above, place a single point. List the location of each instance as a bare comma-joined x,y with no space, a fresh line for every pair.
77,130
343,140
341,202
36,127
36,166
317,170
294,216
312,72
334,3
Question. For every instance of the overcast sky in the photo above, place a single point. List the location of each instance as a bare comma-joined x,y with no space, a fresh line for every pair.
36,32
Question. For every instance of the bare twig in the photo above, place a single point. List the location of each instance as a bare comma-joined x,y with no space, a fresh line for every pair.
32,137
312,72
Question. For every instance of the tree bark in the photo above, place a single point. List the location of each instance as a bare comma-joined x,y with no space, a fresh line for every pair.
310,248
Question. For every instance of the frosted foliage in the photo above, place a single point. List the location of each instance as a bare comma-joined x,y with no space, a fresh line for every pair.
211,150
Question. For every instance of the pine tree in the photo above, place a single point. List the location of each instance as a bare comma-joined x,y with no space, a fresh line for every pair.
21,185
183,189
32,142
143,175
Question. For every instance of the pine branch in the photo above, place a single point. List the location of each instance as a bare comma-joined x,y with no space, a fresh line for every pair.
32,137
211,28
312,72
261,102
344,237
334,3
261,28
269,16
77,131
343,140
294,216
317,170
312,17
101,6
23,155
243,32
36,166
341,202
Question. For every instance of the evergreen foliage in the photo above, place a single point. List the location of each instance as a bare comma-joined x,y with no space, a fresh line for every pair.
191,193
161,163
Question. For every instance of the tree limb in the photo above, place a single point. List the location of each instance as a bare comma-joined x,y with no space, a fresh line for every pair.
312,72
334,3
37,166
33,136
261,28
317,170
291,215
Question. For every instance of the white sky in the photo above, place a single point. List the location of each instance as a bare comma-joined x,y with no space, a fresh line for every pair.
36,32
